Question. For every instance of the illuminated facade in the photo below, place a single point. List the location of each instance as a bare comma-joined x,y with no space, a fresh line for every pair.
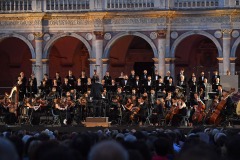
46,36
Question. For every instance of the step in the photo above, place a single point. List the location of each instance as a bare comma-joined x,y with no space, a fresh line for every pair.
97,119
97,124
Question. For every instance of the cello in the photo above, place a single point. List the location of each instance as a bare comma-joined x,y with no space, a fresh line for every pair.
216,117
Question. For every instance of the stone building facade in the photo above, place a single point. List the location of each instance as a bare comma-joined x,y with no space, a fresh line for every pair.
45,36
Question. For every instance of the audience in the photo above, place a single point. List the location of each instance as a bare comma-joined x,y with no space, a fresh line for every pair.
159,144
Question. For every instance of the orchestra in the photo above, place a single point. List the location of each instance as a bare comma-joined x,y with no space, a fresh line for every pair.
130,100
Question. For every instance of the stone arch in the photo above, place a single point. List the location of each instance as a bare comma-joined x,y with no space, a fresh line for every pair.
56,37
118,36
234,47
187,34
28,43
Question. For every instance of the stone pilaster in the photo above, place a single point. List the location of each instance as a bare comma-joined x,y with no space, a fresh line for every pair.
45,66
98,51
232,65
161,51
38,51
226,49
105,65
170,66
220,65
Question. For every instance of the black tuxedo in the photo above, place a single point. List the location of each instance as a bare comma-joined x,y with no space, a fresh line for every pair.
132,78
214,77
160,87
166,79
155,77
215,87
71,81
144,78
201,79
170,88
108,80
193,87
179,77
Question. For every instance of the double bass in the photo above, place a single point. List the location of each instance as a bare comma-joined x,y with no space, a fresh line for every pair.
216,116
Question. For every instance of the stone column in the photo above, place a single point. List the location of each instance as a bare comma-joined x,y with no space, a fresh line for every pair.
98,51
220,65
45,66
172,68
38,51
232,65
167,65
105,65
226,49
92,66
161,52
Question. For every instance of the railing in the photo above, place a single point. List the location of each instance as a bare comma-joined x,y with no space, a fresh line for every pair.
196,4
11,6
15,5
67,5
129,4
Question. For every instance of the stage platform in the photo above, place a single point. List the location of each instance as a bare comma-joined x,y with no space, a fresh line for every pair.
82,128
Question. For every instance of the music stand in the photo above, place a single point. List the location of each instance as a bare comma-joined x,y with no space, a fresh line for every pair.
211,95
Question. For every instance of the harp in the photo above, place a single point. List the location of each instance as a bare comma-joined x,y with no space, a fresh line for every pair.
14,96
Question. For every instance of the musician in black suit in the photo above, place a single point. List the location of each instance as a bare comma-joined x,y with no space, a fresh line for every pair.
170,86
182,84
193,87
71,79
65,87
156,76
138,84
126,84
32,86
148,84
23,82
214,77
167,77
201,78
96,94
215,85
144,76
181,73
107,78
160,86
132,76
58,78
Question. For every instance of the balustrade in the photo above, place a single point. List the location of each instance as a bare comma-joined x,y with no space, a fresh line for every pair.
196,4
15,5
7,6
67,5
131,4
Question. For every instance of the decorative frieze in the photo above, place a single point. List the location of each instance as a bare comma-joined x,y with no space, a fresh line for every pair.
29,23
135,20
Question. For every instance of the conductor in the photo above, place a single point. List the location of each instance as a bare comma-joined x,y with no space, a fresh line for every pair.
96,94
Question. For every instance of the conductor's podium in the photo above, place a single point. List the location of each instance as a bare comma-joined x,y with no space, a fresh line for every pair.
97,122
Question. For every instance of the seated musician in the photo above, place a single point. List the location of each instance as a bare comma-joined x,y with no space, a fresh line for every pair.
197,108
182,84
229,109
157,111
